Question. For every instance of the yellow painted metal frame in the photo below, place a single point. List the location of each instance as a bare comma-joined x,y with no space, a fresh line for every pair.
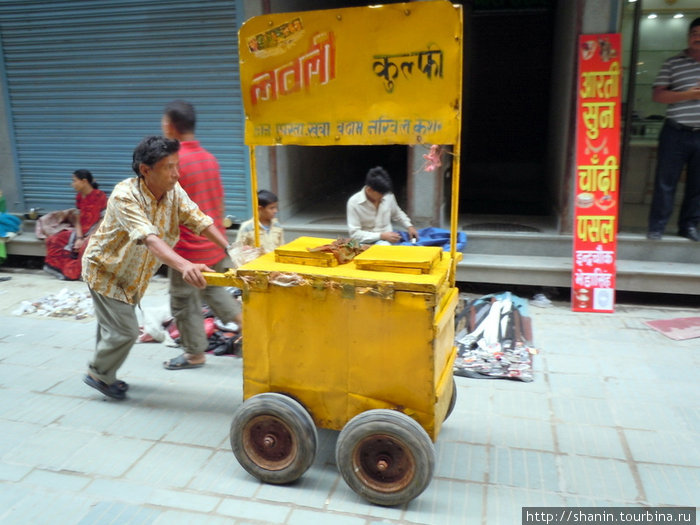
348,338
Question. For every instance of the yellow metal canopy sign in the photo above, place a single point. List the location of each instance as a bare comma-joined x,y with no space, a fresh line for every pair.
389,74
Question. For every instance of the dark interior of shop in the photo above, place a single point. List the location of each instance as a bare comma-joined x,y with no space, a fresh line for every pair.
507,70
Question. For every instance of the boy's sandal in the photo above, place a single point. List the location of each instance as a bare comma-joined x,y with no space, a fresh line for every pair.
114,390
180,363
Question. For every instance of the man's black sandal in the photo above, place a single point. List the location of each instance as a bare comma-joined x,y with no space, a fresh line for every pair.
115,390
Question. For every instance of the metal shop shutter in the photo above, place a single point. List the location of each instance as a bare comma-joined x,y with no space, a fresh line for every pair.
85,81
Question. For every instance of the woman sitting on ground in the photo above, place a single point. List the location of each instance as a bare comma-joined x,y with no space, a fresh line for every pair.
64,249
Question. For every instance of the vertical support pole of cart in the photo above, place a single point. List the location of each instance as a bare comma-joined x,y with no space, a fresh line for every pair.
254,195
457,150
454,214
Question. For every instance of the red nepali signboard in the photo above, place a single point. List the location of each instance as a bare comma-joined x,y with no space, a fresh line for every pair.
597,180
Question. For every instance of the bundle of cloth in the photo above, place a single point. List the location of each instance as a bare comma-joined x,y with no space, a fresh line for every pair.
435,237
10,225
494,338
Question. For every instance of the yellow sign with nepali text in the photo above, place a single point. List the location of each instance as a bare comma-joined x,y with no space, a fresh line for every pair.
389,74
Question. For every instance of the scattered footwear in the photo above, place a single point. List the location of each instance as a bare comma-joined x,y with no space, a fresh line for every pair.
221,342
691,232
540,300
180,363
238,346
114,390
231,346
222,349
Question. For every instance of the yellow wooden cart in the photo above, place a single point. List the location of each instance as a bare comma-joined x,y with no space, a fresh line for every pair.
365,347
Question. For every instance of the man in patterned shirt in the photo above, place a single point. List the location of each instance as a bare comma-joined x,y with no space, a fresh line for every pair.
140,226
201,180
678,85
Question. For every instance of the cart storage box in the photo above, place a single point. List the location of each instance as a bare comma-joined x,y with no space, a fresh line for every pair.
376,332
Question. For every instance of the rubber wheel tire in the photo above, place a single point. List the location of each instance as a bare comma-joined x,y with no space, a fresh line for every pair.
274,438
385,456
453,400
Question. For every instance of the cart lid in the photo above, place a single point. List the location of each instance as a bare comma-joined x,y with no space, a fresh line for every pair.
297,252
401,259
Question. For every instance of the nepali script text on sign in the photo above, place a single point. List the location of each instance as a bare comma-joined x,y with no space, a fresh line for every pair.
597,176
388,74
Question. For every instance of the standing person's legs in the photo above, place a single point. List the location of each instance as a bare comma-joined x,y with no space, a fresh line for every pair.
690,209
226,307
117,330
670,160
186,307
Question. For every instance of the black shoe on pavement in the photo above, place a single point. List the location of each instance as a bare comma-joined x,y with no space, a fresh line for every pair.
654,236
691,232
116,390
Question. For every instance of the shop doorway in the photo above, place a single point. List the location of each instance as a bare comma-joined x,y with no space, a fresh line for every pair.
507,97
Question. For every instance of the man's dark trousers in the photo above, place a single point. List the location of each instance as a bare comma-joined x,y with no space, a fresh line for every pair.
677,147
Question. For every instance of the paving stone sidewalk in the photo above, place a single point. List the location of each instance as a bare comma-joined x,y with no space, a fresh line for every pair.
611,419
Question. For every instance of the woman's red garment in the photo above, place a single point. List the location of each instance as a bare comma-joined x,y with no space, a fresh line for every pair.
59,254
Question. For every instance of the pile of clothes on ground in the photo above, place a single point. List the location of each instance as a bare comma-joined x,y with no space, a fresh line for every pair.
494,338
65,303
158,325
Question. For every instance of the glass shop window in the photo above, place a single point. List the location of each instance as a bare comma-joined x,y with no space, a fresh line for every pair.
663,32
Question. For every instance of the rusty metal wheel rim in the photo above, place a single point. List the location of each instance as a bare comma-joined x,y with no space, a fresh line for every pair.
269,442
383,463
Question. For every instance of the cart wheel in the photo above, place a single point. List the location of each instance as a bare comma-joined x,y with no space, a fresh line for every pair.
453,399
385,456
274,438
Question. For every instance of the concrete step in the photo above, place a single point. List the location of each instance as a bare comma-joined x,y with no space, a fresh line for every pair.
26,244
632,275
629,246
